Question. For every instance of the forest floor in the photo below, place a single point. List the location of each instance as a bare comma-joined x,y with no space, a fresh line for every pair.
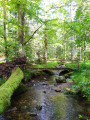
7,67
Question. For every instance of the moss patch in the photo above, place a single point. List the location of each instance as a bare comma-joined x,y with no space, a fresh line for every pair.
7,89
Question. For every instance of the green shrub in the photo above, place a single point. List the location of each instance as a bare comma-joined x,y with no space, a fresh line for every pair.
82,79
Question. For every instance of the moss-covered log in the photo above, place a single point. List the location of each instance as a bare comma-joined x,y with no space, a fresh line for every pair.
8,88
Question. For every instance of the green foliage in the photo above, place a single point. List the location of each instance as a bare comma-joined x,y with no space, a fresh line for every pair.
7,89
82,79
80,116
50,64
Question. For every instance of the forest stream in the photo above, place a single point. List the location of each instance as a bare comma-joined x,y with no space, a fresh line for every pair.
43,102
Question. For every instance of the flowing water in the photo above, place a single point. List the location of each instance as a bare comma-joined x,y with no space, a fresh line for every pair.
41,102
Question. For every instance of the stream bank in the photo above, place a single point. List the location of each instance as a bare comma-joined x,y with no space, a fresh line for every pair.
45,100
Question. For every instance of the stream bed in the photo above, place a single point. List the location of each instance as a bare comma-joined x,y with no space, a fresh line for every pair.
43,102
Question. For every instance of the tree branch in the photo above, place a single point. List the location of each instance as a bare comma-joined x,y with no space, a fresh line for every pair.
32,35
56,7
60,7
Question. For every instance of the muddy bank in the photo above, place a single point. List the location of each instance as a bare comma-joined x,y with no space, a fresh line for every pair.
6,68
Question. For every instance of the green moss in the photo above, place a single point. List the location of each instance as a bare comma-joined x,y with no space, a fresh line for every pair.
8,88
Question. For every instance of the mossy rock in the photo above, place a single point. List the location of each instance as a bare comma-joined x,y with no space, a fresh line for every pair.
69,91
67,75
60,79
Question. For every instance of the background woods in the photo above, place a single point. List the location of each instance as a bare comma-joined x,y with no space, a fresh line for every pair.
36,28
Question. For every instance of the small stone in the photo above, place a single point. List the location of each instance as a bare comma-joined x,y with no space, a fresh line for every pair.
44,92
13,109
9,118
2,117
57,90
39,107
55,84
33,114
24,107
44,83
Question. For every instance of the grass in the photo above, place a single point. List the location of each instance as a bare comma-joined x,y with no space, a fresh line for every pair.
81,79
50,64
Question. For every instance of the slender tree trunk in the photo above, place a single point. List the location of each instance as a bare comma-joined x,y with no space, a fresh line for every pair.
84,51
45,42
64,45
4,22
19,27
72,37
65,50
22,26
73,49
19,35
80,53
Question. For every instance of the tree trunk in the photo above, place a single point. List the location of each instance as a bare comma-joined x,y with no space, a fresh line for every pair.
84,50
80,53
72,38
4,22
18,21
73,50
45,42
22,26
65,50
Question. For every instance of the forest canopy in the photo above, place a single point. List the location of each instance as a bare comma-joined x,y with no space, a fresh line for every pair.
42,29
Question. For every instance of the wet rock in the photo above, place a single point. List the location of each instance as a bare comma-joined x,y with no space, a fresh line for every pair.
33,114
60,79
55,84
44,91
2,117
44,83
39,107
8,118
57,90
24,107
13,109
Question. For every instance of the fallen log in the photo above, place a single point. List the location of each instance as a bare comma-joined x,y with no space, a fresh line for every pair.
8,88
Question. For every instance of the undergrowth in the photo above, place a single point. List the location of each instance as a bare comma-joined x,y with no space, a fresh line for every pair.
50,64
81,79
